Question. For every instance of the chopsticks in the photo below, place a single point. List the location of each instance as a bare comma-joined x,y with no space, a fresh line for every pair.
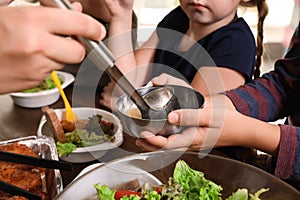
14,190
34,161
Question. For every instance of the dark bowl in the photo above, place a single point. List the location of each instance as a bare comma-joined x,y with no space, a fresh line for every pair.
228,173
186,97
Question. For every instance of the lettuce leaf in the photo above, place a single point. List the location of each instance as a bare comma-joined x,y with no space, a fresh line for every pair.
242,194
104,192
195,185
65,148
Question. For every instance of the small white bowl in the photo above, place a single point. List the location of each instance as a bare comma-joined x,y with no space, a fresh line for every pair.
90,153
43,98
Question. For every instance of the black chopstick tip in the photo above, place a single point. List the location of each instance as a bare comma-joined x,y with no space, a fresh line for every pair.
17,191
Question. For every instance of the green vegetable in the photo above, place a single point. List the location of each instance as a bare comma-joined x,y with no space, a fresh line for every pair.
173,190
186,184
104,192
46,84
258,193
83,138
93,133
242,194
133,197
65,148
195,185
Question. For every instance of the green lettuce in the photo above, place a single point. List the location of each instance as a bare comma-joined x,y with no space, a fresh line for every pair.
104,192
65,148
195,185
242,194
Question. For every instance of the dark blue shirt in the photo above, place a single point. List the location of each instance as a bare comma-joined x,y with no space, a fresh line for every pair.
231,46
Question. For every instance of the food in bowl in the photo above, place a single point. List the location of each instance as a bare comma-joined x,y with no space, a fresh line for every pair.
36,99
160,165
46,183
134,124
97,132
81,133
46,84
186,183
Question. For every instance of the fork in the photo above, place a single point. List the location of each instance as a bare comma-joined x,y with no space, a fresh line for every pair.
70,115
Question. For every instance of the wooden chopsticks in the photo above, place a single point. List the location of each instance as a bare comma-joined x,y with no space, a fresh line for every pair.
14,190
34,161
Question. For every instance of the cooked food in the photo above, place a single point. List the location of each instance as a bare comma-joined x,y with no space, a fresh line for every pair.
186,184
134,112
23,176
82,133
46,84
55,125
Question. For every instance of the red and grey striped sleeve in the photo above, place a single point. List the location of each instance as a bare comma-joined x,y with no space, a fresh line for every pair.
273,96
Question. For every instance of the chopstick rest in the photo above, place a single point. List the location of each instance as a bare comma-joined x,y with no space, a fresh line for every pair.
34,161
14,190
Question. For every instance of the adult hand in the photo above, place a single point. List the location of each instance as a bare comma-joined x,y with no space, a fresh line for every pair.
34,46
5,2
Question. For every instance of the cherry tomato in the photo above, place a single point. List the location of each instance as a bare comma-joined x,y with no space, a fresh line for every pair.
122,193
159,190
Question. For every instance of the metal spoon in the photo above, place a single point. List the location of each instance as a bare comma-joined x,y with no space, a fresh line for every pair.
103,59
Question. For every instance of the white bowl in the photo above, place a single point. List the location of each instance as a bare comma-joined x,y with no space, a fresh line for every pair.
90,153
43,98
111,174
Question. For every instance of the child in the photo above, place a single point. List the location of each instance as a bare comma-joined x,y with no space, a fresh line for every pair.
184,42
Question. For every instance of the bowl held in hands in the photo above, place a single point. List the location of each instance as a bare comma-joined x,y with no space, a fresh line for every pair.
183,97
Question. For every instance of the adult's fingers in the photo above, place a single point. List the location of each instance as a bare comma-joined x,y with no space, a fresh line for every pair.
63,49
67,22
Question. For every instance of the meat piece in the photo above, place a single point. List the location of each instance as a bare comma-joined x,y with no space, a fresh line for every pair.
130,185
67,126
54,124
23,176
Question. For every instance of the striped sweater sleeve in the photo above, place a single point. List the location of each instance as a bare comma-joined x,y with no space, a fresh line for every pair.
273,96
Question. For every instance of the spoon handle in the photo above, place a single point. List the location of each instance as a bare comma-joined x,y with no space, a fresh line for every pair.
70,115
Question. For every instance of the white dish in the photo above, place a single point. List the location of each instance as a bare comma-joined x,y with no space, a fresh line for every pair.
87,154
43,98
110,174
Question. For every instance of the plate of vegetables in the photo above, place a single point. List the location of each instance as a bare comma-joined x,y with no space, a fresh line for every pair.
182,176
94,133
43,94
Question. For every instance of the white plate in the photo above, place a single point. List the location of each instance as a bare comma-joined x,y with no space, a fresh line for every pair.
110,174
87,154
43,98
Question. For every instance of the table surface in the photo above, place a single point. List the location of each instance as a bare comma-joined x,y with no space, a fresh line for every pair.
16,122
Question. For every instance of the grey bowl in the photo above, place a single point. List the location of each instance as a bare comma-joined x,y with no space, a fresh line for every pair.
187,98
